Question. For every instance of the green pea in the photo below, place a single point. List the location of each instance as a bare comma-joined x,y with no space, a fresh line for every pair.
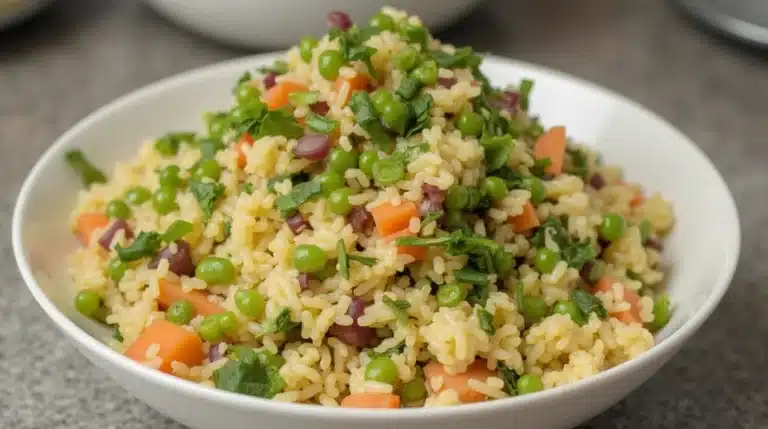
166,146
454,220
330,181
366,161
169,177
534,309
137,195
426,73
546,260
338,201
117,209
381,98
307,44
450,295
457,197
164,200
209,329
503,262
382,21
87,302
470,124
217,124
215,270
414,390
340,160
388,171
570,308
529,383
116,269
381,369
180,312
662,312
308,258
250,302
406,59
329,63
207,168
536,187
495,188
395,115
645,230
613,227
246,93
227,322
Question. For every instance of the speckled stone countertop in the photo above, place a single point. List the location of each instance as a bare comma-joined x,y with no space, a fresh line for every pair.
81,54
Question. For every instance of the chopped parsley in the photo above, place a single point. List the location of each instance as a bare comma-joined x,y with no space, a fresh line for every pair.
279,123
300,194
321,124
462,58
509,376
168,145
485,320
431,217
395,350
85,170
206,194
145,245
408,88
420,107
588,303
304,98
525,88
576,254
250,373
352,48
365,115
282,322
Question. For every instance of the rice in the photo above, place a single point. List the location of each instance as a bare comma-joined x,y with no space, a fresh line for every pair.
307,336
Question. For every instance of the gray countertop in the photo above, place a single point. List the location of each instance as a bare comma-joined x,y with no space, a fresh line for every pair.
81,54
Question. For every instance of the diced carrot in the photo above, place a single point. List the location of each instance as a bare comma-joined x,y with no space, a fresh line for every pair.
637,199
245,140
348,86
460,382
605,284
551,145
176,344
170,292
527,220
418,252
371,400
87,223
391,219
277,96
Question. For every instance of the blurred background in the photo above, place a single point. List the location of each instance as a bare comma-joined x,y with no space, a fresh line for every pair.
62,59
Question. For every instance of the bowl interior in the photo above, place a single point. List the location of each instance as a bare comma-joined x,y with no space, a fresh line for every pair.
701,253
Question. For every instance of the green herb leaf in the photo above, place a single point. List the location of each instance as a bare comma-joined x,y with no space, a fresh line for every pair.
282,322
588,303
251,374
556,231
168,145
540,165
578,163
343,259
209,146
431,217
145,245
485,319
116,333
420,107
87,172
363,53
351,47
407,152
466,275
509,376
178,229
478,295
462,58
425,242
408,88
577,254
300,194
365,260
245,77
512,178
279,123
295,180
396,350
497,151
365,115
398,308
227,229
303,98
321,124
278,67
248,187
520,297
206,194
415,34
525,88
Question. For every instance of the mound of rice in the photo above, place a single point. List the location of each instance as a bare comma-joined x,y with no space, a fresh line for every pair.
408,325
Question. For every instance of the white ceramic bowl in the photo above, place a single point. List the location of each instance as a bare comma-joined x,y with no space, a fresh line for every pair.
701,253
279,24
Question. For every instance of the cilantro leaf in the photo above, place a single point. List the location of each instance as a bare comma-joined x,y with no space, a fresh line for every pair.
343,259
251,374
462,58
300,194
395,350
145,245
87,172
248,187
540,166
466,275
420,107
206,194
577,254
511,178
245,77
352,47
321,124
365,115
485,319
588,303
278,67
414,34
578,163
556,231
295,180
365,260
282,322
168,145
431,217
279,123
525,88
116,333
398,308
497,151
209,146
509,376
178,229
408,88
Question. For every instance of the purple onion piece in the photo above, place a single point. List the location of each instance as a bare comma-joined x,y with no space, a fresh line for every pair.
354,334
313,146
654,244
321,108
297,223
339,20
586,269
356,308
597,181
360,219
213,353
106,239
433,198
180,263
304,279
446,82
270,80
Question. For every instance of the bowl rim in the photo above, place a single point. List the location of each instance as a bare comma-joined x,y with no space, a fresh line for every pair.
198,391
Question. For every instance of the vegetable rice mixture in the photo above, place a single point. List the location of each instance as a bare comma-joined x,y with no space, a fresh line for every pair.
372,224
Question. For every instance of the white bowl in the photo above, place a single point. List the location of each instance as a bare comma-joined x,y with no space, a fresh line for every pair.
701,252
279,24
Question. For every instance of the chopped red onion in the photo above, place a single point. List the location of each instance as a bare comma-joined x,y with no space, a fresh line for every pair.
106,240
354,334
180,262
213,353
303,279
339,20
313,146
433,199
597,181
297,223
321,108
360,219
446,82
270,80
